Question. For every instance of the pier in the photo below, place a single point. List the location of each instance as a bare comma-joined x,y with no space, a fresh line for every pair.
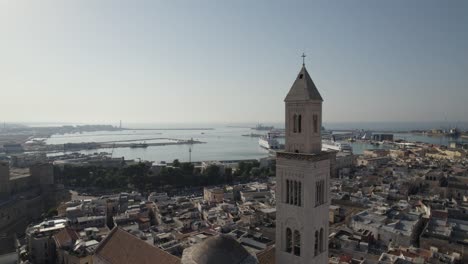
134,143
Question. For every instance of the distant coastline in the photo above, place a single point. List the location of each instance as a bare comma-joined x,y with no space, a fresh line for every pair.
393,127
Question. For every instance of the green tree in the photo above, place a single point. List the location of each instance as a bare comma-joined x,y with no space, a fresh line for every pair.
51,213
256,172
212,175
176,163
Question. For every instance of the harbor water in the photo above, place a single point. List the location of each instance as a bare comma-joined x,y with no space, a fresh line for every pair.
221,142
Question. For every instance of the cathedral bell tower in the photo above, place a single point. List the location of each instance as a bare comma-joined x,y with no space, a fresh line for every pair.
302,178
303,116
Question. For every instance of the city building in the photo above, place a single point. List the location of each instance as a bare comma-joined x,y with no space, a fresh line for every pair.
213,195
343,163
40,240
120,247
71,249
372,162
303,177
25,194
27,160
12,148
4,179
401,228
8,250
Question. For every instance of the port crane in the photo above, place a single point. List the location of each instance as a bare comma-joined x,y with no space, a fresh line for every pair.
190,150
112,152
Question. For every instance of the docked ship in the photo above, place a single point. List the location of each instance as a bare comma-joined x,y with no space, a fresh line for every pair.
338,146
269,142
454,132
139,145
261,127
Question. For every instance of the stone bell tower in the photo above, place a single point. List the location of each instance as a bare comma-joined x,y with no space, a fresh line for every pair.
302,177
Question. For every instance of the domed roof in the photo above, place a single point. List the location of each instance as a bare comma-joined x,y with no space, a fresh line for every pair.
218,249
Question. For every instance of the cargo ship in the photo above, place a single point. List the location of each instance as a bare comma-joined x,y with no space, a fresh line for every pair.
338,146
269,142
262,127
139,145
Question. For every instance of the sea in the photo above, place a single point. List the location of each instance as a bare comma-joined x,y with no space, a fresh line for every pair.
222,141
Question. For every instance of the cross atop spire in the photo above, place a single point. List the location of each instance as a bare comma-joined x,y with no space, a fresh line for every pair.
303,59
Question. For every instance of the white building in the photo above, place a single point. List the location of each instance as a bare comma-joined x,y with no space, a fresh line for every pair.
303,176
401,230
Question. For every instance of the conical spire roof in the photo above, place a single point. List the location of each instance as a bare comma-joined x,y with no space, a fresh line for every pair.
303,88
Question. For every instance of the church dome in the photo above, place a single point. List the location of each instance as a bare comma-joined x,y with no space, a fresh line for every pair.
218,249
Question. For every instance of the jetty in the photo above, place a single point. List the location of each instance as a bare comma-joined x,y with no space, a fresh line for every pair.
110,144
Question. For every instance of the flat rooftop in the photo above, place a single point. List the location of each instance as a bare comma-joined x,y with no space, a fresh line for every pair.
17,173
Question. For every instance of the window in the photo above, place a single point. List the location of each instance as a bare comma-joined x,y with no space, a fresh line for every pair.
299,123
297,243
295,192
301,75
316,243
317,195
321,239
299,194
288,240
319,192
315,118
323,191
291,192
294,123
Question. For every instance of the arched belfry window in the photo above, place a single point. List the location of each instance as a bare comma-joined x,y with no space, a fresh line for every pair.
297,243
295,123
299,123
295,193
299,194
315,118
291,192
288,240
316,243
321,240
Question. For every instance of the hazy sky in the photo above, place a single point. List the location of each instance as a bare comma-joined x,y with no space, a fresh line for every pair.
202,61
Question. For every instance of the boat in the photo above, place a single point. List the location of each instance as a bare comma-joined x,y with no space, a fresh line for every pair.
262,127
252,135
139,145
278,133
454,132
269,142
338,146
